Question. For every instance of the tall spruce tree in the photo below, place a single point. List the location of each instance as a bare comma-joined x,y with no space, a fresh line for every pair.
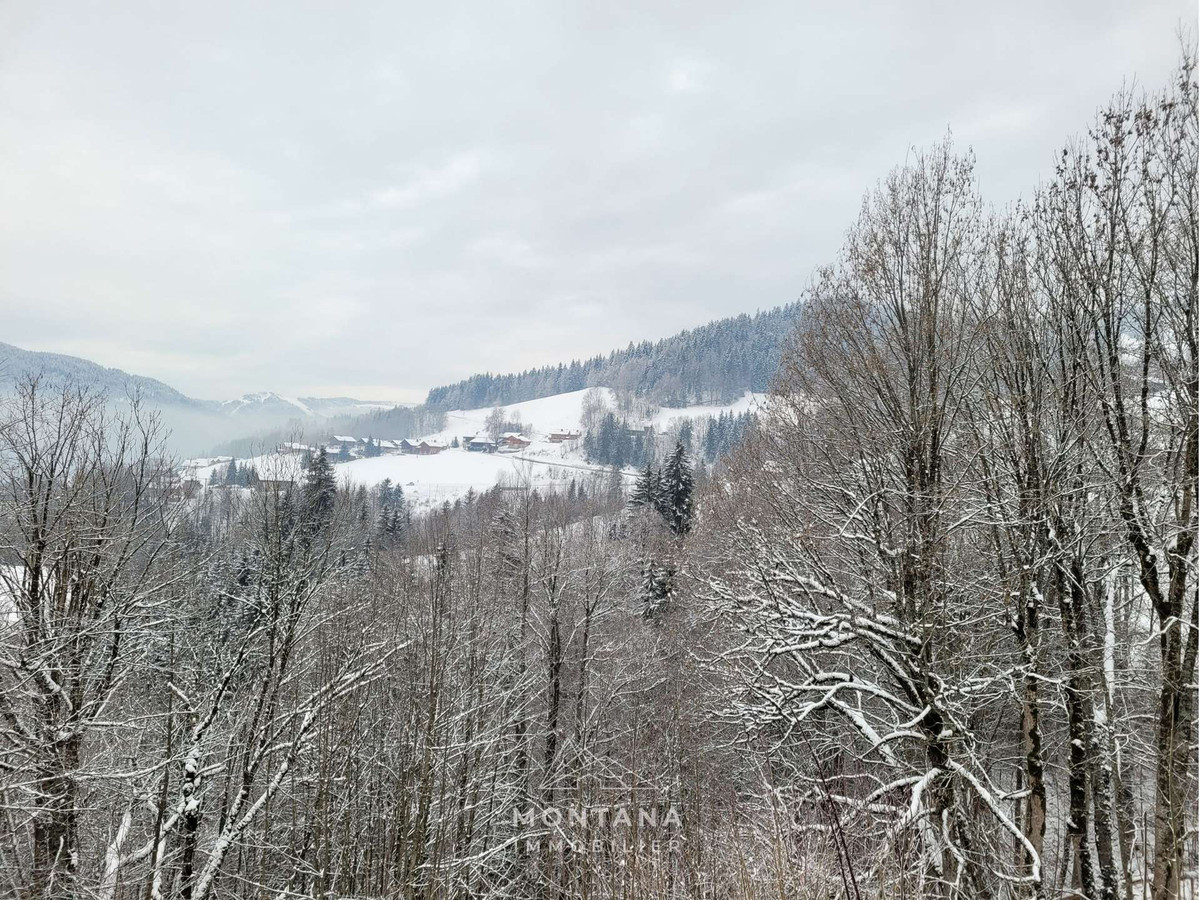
685,434
655,588
320,491
648,490
676,503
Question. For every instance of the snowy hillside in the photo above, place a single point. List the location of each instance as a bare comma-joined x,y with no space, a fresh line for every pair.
544,415
565,412
270,403
58,369
748,402
428,480
192,425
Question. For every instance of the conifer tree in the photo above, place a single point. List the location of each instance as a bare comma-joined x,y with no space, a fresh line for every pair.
383,525
654,590
648,490
320,491
710,440
401,514
676,491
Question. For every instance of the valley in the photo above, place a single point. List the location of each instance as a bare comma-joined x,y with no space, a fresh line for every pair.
430,479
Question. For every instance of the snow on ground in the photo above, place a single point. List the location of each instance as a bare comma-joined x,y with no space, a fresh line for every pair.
427,480
668,414
545,414
430,480
10,577
280,466
202,467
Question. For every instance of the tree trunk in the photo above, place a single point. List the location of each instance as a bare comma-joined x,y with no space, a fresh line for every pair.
55,839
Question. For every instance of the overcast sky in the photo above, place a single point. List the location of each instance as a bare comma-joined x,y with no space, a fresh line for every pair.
370,199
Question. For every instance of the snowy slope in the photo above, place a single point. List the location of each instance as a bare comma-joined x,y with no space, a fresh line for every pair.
545,415
268,403
271,465
430,480
747,402
427,480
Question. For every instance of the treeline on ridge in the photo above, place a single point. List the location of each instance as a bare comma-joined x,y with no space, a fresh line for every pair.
714,363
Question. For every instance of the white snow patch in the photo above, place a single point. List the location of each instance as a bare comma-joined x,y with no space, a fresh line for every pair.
428,480
746,403
544,415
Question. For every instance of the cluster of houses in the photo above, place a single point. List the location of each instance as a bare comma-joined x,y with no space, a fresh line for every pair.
343,445
513,441
509,442
357,447
186,484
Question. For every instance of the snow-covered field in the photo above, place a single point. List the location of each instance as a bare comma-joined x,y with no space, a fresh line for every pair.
562,411
430,480
668,414
270,465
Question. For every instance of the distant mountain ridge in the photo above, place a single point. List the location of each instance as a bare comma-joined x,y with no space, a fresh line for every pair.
313,407
713,363
717,362
16,362
195,424
59,368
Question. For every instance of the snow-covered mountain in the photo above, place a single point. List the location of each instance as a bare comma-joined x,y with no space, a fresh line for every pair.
270,403
194,424
57,368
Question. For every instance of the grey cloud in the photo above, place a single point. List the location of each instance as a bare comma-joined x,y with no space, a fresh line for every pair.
374,198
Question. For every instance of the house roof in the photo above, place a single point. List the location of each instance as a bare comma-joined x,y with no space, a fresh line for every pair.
345,439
